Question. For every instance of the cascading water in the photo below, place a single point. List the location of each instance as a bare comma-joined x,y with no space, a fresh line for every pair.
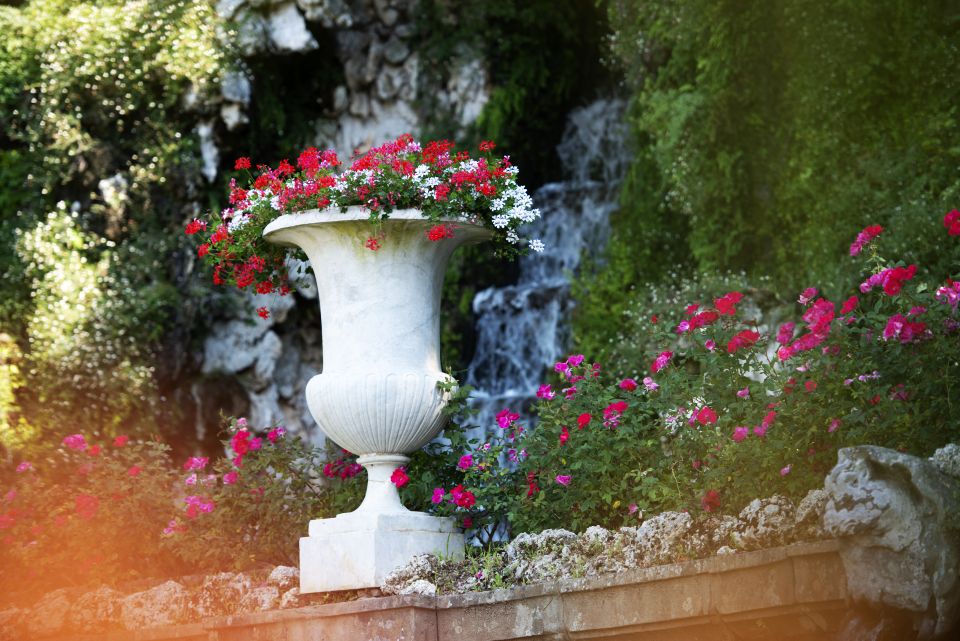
523,328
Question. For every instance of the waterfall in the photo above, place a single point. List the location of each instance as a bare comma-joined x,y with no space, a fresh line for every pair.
523,328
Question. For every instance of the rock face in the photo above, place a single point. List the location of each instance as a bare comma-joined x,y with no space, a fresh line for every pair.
49,614
166,604
898,518
96,611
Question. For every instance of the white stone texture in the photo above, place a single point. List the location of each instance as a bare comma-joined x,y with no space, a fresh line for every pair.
660,537
284,577
947,459
360,549
10,624
166,604
221,594
96,611
290,598
233,116
898,518
288,31
260,599
377,395
236,87
49,614
765,523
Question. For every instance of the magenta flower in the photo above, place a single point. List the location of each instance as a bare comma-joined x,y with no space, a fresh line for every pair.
761,430
863,238
807,295
230,477
628,384
785,470
399,477
744,393
545,392
563,479
785,333
706,415
650,384
466,462
834,425
275,434
575,361
438,494
661,361
740,433
196,463
710,344
75,442
25,466
505,418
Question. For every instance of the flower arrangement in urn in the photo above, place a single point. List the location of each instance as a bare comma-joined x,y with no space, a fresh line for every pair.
444,184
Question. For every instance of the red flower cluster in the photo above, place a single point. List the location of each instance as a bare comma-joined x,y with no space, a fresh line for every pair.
863,238
952,222
439,232
891,280
746,338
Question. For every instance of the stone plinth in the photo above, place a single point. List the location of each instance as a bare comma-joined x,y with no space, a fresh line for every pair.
359,549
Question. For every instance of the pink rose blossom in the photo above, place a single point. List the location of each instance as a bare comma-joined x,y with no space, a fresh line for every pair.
740,433
563,479
75,442
196,463
650,384
545,392
785,470
628,384
743,393
25,466
275,434
466,462
661,361
438,494
230,477
834,425
710,344
807,295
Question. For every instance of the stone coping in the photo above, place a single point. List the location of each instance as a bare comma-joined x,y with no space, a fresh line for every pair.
793,592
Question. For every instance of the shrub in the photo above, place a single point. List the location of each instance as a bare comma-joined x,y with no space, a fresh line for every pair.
84,513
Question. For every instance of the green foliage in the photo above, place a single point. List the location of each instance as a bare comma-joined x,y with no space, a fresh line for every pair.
91,122
84,516
768,133
257,517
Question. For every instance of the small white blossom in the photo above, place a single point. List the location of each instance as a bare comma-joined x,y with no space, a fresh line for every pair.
512,237
500,221
536,245
496,204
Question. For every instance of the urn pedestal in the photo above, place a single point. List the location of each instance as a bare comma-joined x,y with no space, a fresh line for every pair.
377,395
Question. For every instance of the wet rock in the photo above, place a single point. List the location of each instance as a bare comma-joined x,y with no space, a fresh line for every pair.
260,599
387,13
284,577
389,82
766,523
96,611
48,614
166,604
897,518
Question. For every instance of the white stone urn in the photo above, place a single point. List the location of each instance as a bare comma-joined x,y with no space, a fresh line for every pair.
377,395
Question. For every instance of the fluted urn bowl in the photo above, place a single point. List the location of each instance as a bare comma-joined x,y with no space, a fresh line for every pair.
377,395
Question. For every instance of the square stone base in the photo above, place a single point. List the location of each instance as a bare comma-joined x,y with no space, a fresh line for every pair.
358,550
